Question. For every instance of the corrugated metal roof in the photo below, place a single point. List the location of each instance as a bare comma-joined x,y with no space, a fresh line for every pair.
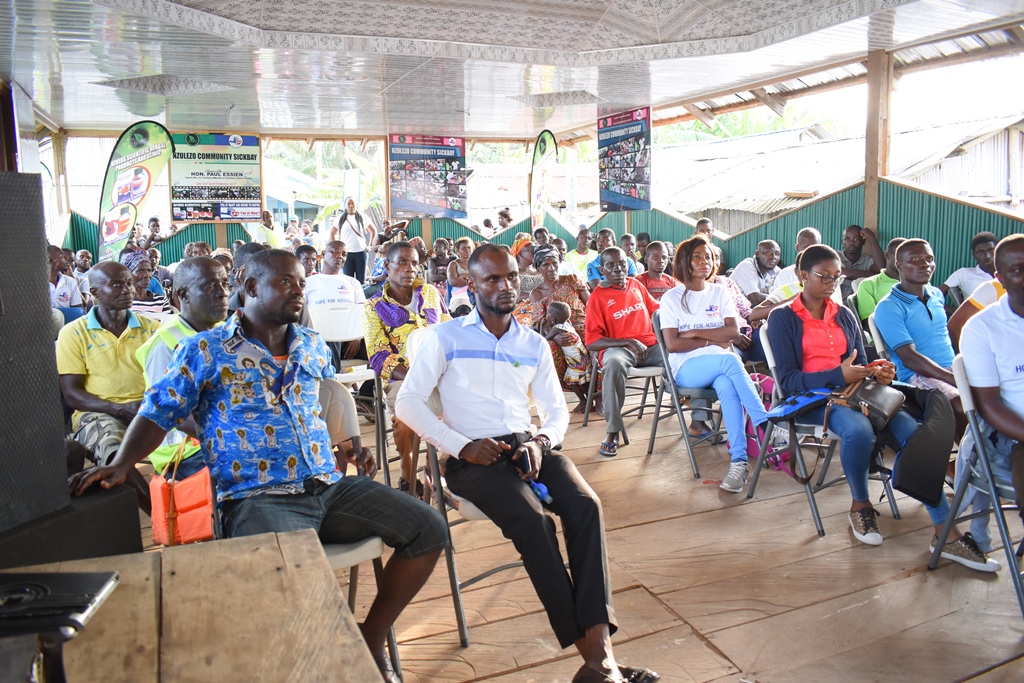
754,173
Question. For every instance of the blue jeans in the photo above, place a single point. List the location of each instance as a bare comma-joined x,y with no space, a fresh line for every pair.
857,441
725,373
346,512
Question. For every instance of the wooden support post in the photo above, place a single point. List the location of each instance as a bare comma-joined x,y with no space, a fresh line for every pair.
629,222
702,115
774,102
876,138
220,236
427,231
387,179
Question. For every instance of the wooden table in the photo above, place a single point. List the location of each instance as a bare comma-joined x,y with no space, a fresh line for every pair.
259,608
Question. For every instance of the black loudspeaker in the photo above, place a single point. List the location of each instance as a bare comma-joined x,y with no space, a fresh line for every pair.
33,470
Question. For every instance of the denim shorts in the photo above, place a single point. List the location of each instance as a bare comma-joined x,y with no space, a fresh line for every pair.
351,510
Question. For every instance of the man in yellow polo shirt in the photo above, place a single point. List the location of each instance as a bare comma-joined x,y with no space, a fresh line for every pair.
99,375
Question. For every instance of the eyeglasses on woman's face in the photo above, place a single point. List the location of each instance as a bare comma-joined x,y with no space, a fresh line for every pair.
829,279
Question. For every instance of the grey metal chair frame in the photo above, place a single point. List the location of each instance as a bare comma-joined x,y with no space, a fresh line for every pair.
981,477
595,370
677,394
809,434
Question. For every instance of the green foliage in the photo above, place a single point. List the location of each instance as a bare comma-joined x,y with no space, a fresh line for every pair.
327,161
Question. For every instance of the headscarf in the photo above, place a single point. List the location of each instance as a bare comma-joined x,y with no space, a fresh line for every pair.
133,259
519,245
542,253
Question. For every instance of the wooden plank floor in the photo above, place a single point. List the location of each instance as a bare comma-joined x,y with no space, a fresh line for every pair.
711,586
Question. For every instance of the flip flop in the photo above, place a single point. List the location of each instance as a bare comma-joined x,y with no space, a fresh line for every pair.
609,449
634,674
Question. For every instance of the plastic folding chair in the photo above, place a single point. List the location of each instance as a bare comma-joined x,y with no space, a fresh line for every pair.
677,394
344,323
811,434
876,336
650,377
980,477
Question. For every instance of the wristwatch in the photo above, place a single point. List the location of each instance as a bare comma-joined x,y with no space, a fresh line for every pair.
545,442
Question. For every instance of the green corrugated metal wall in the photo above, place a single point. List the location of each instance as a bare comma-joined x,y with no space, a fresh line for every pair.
661,226
82,234
237,232
830,215
947,224
615,220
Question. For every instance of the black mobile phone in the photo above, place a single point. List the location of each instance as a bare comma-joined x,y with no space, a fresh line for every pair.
525,462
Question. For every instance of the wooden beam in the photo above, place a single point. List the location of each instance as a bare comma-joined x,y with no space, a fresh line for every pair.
972,56
703,115
774,102
1016,33
876,138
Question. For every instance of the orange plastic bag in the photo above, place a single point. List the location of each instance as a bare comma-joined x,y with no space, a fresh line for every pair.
182,510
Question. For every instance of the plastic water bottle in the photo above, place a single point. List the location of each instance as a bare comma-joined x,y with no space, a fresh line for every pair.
542,492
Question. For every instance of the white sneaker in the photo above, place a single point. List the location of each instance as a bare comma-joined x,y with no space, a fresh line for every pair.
865,528
737,477
966,551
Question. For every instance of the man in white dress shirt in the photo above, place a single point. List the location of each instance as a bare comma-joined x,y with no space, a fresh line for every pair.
983,247
483,366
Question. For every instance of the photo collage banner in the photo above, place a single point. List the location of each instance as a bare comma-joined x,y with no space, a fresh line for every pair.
427,176
624,160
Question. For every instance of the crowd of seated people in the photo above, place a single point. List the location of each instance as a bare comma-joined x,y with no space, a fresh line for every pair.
234,368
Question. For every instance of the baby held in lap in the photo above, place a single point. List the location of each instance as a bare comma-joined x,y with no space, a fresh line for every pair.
556,326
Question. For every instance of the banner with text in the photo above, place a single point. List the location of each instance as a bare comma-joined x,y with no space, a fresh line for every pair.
624,160
545,156
427,176
216,177
139,157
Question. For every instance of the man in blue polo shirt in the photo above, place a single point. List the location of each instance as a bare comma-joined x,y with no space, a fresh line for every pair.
605,240
912,321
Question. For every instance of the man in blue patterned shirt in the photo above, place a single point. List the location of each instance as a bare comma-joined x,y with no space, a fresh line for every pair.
252,387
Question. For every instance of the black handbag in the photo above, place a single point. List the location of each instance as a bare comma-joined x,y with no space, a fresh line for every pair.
921,462
879,402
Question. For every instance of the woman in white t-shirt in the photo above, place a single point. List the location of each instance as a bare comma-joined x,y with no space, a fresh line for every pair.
699,322
355,234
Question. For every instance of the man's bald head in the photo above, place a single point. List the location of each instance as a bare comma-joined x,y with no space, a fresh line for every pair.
807,237
194,270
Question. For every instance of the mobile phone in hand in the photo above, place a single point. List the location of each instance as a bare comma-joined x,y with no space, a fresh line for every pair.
877,363
525,462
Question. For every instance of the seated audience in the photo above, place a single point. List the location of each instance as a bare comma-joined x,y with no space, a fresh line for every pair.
912,322
306,253
99,376
857,261
203,288
983,247
330,285
492,455
65,295
529,278
580,257
991,349
984,295
875,288
83,262
805,238
406,303
756,274
642,240
605,240
458,269
573,373
655,280
618,327
700,324
437,267
818,344
161,273
146,302
628,244
269,451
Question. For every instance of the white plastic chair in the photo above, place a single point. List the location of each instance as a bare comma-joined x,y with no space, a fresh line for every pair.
344,323
876,336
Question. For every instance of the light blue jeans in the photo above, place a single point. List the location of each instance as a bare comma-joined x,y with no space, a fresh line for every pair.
725,373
